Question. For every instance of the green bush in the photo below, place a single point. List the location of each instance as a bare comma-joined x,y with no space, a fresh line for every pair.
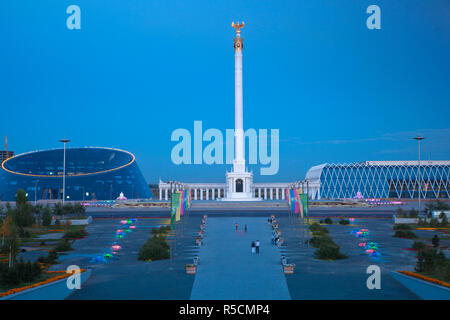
413,213
161,230
329,252
344,221
318,241
75,234
63,245
435,241
47,217
402,226
328,221
156,248
317,229
418,245
20,272
405,234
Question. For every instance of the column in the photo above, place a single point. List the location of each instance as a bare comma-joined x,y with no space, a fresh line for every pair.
201,194
277,190
207,193
213,195
283,193
160,194
265,193
166,197
195,194
271,193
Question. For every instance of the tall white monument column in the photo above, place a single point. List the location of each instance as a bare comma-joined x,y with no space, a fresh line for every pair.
239,180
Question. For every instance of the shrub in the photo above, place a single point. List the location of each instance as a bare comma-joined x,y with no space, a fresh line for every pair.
63,245
418,245
329,252
75,234
413,213
344,221
405,234
402,226
20,272
434,222
328,221
435,241
161,230
156,248
47,217
444,220
317,229
318,241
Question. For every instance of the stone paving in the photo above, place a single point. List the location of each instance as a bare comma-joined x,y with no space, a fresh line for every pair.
346,279
228,269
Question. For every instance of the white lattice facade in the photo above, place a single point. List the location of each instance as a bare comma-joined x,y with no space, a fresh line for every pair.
381,179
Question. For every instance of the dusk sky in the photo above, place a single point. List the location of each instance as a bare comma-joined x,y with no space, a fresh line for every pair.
139,69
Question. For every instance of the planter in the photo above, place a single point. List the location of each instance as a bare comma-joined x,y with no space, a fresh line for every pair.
288,268
190,268
422,288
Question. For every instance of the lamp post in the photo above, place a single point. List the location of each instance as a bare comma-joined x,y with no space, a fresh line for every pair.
35,191
64,169
419,138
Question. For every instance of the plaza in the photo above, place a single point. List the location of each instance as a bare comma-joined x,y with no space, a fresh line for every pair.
228,270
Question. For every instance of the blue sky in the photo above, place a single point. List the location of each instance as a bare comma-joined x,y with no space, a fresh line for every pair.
139,69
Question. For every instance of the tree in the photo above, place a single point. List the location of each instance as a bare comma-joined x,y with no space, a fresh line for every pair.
23,215
67,208
57,209
47,217
10,240
435,241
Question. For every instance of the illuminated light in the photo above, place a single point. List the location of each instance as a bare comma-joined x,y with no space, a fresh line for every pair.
123,221
133,158
132,227
362,244
116,247
114,252
119,230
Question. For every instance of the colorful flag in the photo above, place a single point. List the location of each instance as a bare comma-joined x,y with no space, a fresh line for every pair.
292,199
175,205
304,200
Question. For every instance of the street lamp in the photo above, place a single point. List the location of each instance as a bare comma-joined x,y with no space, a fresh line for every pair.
64,169
35,191
419,138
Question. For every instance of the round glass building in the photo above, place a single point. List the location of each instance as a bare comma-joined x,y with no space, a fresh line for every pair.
92,173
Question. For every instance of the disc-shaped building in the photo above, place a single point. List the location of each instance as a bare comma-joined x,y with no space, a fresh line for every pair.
92,173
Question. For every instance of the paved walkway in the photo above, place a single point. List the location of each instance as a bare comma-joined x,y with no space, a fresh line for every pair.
227,268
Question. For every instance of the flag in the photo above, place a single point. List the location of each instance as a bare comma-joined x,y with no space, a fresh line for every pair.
292,199
175,204
304,200
299,192
296,202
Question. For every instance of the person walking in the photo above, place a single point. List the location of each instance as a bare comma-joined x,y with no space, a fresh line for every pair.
253,247
236,225
257,246
245,228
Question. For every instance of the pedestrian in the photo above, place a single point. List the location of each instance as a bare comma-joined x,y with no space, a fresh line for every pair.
236,225
245,228
257,246
253,247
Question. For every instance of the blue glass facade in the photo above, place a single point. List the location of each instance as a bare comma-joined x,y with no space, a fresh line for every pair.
91,173
382,179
